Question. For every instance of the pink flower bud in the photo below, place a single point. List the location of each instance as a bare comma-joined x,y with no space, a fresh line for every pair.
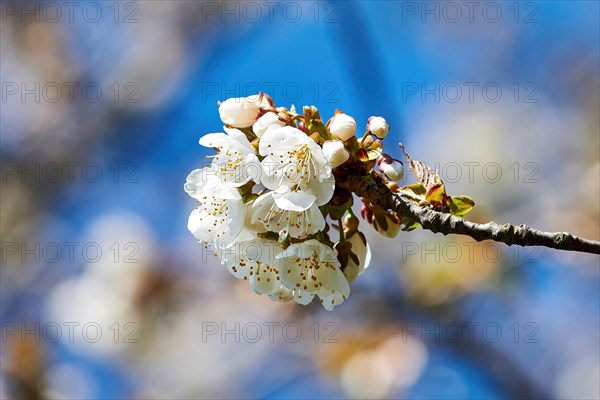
391,168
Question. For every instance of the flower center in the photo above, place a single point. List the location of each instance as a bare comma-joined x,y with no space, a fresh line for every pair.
229,161
277,219
302,165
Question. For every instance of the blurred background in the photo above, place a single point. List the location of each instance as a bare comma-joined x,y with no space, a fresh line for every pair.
106,295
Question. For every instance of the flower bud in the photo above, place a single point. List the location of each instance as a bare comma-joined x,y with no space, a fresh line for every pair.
311,112
387,223
378,126
267,101
302,127
264,122
335,152
240,112
342,126
361,253
365,211
285,117
391,168
350,224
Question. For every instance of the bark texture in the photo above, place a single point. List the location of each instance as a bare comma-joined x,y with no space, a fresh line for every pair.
446,223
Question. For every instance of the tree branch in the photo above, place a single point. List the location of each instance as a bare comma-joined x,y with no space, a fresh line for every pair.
439,222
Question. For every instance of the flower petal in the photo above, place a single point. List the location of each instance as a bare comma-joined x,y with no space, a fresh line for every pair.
281,139
215,140
196,182
323,191
198,226
294,201
239,138
303,297
283,294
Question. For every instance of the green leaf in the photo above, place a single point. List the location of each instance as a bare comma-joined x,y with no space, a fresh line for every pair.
436,195
460,205
374,149
370,149
317,126
415,192
431,189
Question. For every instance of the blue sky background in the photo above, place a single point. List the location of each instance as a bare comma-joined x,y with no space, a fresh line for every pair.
361,57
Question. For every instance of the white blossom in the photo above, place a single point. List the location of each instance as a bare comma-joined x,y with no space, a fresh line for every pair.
342,126
240,112
292,159
311,268
378,126
236,162
220,216
255,260
288,212
275,234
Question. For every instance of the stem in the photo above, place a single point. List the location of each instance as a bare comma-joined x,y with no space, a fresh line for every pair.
320,236
439,222
366,135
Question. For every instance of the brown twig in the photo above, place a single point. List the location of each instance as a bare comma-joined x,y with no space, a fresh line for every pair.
445,223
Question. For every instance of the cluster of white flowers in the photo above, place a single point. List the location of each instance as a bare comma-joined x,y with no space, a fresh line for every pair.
265,199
